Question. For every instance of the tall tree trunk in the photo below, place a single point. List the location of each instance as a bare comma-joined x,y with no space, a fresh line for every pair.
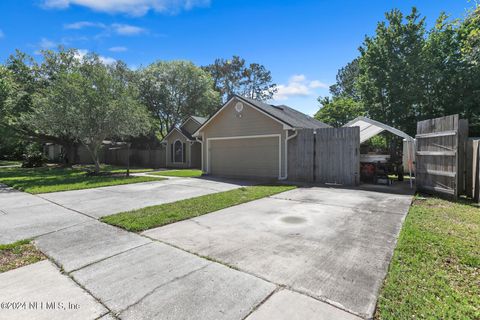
97,164
94,154
70,153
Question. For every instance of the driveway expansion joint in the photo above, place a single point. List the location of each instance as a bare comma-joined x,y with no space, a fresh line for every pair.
113,255
278,285
67,208
162,285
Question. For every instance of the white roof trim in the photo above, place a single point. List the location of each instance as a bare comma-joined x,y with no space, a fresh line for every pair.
171,131
196,133
370,128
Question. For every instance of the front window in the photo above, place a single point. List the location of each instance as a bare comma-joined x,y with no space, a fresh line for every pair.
178,151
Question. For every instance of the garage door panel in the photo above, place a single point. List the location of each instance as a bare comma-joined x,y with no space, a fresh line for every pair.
247,157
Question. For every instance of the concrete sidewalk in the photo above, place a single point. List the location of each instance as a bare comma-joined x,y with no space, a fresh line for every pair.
24,216
312,253
104,201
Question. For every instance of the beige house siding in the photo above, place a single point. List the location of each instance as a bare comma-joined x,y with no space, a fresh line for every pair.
191,125
175,135
249,122
196,155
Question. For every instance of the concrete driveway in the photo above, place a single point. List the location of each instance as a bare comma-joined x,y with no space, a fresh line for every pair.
104,201
331,244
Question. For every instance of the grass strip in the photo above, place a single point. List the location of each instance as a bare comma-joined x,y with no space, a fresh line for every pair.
54,179
155,216
435,270
190,173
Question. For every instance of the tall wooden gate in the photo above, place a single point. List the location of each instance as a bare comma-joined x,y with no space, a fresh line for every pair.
329,155
440,160
337,155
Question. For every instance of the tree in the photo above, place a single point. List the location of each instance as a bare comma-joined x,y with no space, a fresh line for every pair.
405,74
391,70
90,102
234,77
11,145
469,37
257,83
175,90
337,111
29,78
346,81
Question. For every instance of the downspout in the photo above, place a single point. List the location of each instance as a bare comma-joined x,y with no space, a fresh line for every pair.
286,152
201,148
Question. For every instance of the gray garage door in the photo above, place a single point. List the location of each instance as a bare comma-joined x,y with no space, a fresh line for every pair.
246,157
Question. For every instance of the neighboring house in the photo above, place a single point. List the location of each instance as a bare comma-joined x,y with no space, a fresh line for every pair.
53,152
248,138
182,149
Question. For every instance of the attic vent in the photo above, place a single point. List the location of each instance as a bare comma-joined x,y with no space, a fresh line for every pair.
239,107
277,107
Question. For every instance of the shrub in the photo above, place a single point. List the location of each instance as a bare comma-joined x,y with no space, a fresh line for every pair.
33,157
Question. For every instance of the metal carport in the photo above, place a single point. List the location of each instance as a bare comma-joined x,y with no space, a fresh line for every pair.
370,128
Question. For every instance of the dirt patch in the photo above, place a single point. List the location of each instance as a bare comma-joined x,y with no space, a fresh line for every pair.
18,254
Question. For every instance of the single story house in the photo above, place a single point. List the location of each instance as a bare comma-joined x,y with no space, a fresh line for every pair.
249,139
182,149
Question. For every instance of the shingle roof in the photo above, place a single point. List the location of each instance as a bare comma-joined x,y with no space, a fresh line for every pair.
290,116
186,133
200,120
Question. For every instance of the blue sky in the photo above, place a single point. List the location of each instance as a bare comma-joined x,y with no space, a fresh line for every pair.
303,43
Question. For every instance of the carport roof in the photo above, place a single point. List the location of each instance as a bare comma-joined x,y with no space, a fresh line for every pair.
370,128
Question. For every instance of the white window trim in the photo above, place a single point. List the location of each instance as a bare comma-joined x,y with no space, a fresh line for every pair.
277,135
174,142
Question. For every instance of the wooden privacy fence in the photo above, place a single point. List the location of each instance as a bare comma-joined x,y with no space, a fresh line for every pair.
328,155
151,158
472,172
440,155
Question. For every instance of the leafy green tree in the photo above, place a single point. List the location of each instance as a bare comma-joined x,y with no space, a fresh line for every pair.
175,90
257,83
90,102
337,111
234,76
391,69
405,73
29,78
469,37
346,81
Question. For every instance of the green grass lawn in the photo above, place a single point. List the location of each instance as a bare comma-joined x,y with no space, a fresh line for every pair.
435,270
53,179
155,216
9,163
18,254
191,173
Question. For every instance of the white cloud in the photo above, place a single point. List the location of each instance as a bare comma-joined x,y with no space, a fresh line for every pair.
129,7
118,49
318,84
107,60
118,28
81,53
84,24
126,29
298,78
46,44
298,86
